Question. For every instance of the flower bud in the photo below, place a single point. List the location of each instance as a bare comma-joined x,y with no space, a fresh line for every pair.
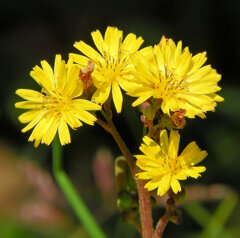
144,120
148,110
178,119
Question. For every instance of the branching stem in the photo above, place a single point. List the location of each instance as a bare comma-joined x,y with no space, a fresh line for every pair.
143,194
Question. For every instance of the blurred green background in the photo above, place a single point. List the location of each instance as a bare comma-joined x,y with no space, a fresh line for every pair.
31,205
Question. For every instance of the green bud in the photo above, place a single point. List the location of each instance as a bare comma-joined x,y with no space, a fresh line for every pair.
124,201
121,174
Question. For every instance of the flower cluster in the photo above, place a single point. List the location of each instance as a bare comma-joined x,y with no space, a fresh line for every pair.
170,85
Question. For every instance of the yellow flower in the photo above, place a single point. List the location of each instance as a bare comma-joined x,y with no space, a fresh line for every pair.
112,65
57,105
162,165
175,78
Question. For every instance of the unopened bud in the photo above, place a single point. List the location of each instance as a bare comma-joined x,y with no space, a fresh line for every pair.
124,201
122,174
157,103
145,105
144,120
176,216
148,110
171,202
86,76
178,119
180,196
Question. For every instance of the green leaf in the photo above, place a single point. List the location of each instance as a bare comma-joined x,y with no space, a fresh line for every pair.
219,218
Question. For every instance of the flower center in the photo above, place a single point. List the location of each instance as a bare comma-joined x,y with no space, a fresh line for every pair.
57,103
113,68
170,84
171,164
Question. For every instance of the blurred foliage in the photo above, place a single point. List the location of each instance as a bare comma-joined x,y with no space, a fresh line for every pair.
213,224
10,229
36,30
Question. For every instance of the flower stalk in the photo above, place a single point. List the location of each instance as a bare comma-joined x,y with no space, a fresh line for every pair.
145,209
143,194
74,199
162,223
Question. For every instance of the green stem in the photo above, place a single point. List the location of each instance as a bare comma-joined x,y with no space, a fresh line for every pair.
78,205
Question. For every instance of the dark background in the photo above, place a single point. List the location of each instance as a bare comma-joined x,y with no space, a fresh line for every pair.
35,30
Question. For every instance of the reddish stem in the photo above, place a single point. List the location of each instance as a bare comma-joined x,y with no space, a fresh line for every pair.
145,209
143,194
103,125
162,223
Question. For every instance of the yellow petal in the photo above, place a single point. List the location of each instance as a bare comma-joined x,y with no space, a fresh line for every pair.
98,40
197,75
178,51
174,143
85,116
80,59
144,175
183,63
139,101
198,60
49,136
37,142
61,77
117,96
63,133
28,116
47,70
217,98
175,185
72,83
71,120
164,141
34,121
113,40
153,184
164,184
192,155
152,144
87,50
30,95
131,44
42,79
146,162
57,64
160,59
86,105
28,105
147,151
101,95
165,106
40,129
194,171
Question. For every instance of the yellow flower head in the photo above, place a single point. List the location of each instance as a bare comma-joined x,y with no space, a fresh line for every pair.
162,165
175,78
57,105
112,63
